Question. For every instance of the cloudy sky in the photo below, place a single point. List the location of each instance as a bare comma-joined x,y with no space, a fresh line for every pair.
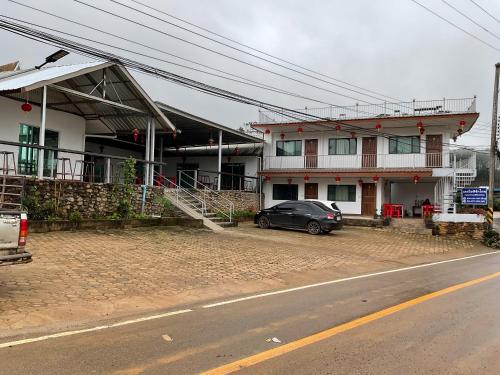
393,47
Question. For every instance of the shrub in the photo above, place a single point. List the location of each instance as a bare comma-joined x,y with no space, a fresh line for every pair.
166,207
491,238
476,211
496,205
123,194
38,210
75,217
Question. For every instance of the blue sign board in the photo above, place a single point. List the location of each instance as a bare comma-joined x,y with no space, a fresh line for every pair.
475,196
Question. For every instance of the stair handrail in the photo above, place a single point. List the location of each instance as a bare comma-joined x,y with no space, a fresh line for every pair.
178,189
229,204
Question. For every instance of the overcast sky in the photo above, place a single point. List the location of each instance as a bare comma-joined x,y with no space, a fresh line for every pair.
391,46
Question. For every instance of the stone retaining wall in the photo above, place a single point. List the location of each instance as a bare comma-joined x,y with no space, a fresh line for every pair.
43,226
470,230
242,200
93,201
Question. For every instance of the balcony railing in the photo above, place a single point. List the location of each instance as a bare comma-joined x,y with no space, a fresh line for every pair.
381,110
363,161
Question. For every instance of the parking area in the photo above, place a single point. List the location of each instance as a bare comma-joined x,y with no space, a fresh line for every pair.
77,277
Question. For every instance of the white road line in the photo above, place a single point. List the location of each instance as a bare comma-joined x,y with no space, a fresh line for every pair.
93,329
342,280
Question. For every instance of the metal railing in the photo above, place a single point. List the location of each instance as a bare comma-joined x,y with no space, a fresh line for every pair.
213,199
65,164
360,161
380,110
180,194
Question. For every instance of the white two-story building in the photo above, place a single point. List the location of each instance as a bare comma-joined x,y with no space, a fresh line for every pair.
367,157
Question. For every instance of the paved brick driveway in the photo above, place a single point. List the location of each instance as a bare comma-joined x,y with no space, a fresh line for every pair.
79,276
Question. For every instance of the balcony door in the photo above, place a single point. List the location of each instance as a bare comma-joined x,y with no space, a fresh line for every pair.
311,153
369,152
434,150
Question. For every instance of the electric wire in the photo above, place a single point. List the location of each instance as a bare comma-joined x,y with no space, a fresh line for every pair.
259,50
455,25
174,78
485,11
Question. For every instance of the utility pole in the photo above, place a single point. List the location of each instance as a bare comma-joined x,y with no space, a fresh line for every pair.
493,148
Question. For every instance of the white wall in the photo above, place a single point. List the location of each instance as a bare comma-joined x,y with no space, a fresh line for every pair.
353,208
71,128
351,161
407,192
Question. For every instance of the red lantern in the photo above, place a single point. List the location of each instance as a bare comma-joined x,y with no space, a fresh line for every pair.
306,178
337,179
378,127
461,125
420,126
376,178
416,178
267,131
360,182
338,128
300,130
289,181
267,178
135,134
237,151
282,135
26,107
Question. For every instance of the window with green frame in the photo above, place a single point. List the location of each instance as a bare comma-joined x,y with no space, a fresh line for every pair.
404,145
288,148
28,156
341,193
342,146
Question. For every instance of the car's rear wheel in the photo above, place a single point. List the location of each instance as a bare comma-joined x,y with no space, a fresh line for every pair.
264,222
313,227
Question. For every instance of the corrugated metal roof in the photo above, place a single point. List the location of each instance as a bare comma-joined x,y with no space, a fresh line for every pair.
25,78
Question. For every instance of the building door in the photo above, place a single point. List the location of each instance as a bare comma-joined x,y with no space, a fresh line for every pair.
369,152
368,199
186,175
310,191
233,176
311,153
434,150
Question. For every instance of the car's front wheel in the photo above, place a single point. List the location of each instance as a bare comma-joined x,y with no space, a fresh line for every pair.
313,227
264,222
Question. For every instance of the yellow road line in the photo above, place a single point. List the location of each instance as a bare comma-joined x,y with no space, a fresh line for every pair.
272,353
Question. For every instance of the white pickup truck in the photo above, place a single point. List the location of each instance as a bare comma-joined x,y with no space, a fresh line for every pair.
13,235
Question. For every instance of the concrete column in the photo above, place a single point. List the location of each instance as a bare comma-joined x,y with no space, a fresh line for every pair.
152,152
41,142
147,154
108,170
380,196
219,162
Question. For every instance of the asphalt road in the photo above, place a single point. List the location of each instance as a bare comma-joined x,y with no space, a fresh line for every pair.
456,331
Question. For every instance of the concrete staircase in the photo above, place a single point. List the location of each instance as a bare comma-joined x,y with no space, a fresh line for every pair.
410,225
216,215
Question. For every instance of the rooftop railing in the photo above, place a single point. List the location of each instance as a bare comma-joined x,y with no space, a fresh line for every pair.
381,110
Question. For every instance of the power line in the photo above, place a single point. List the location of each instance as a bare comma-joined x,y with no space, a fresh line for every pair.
470,19
258,50
228,56
485,11
82,49
455,26
249,83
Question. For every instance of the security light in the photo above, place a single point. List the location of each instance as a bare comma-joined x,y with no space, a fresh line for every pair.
54,57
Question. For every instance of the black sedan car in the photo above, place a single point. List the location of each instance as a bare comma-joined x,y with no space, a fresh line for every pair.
311,216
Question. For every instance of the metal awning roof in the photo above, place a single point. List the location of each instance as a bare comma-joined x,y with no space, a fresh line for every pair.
196,131
101,92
